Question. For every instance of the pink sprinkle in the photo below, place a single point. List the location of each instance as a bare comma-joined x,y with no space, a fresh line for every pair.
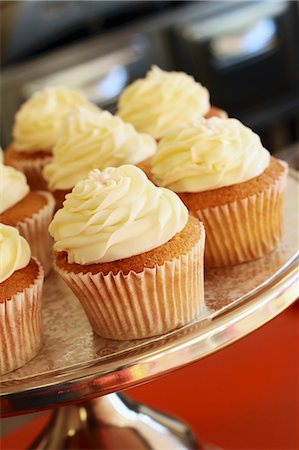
99,176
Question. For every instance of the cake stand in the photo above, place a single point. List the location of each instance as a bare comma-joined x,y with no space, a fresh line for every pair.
83,374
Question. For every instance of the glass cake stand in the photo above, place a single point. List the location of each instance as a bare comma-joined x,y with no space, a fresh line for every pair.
82,373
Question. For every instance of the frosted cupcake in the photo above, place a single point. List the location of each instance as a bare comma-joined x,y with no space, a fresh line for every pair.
21,282
36,129
130,253
92,140
228,180
29,211
162,100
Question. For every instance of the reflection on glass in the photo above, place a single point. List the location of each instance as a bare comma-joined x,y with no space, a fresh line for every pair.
244,44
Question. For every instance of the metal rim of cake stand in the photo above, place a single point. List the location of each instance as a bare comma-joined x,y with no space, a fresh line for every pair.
133,368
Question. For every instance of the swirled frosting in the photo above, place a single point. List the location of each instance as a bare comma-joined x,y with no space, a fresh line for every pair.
116,214
94,140
15,251
208,154
163,100
13,187
38,121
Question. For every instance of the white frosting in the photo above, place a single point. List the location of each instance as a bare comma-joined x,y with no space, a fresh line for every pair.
94,140
13,187
208,154
38,121
116,214
163,100
15,252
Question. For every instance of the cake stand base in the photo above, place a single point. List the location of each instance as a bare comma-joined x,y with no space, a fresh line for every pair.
114,422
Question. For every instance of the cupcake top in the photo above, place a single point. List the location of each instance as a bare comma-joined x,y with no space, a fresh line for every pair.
13,187
92,140
38,121
15,251
209,154
116,214
163,100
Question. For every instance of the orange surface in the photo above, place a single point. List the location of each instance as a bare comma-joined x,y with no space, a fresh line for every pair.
243,397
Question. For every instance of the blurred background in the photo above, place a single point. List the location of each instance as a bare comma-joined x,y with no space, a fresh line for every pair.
245,52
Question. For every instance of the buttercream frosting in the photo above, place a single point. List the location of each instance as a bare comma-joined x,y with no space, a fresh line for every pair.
38,121
163,100
116,214
13,187
209,154
94,140
14,250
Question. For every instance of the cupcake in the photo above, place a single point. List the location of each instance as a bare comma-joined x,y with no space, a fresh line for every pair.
229,181
21,282
162,100
36,129
29,211
130,253
93,140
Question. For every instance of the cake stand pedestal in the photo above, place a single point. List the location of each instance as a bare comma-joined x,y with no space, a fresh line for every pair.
111,422
81,374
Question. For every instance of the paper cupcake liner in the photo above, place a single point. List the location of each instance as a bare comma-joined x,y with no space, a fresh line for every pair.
33,169
35,230
140,305
244,229
21,326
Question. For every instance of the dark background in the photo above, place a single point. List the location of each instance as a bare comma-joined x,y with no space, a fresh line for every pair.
245,52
